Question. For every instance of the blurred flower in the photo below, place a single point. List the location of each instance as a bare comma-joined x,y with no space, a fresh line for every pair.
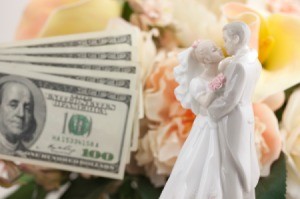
9,172
284,6
188,19
36,15
290,129
267,137
193,20
151,13
43,18
168,123
49,179
215,5
276,36
275,101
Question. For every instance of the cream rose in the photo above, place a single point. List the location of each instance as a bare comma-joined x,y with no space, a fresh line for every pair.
290,130
267,137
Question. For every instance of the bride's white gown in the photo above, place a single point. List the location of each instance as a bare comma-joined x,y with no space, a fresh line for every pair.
196,174
218,160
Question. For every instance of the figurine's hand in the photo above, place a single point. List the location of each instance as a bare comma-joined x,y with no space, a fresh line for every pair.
202,111
213,117
212,124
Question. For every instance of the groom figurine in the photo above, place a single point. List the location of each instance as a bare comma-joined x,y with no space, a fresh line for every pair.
234,115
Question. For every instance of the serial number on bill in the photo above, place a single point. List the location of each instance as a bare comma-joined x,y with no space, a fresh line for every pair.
74,141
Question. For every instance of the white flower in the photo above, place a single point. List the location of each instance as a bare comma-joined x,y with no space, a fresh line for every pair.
290,131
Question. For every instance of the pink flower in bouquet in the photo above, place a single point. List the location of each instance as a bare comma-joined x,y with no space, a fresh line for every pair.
217,83
267,137
290,130
168,123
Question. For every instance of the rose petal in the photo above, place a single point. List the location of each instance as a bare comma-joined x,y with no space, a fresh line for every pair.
83,16
291,115
293,182
35,16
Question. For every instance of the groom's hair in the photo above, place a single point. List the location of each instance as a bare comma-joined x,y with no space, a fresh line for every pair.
240,29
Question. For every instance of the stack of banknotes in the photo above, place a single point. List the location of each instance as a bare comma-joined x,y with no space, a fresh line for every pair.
71,102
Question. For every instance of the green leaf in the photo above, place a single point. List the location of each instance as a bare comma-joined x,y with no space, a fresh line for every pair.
147,190
273,186
126,190
28,191
137,187
127,11
25,178
82,188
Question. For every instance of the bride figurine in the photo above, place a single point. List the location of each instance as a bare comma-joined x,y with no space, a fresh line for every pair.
218,159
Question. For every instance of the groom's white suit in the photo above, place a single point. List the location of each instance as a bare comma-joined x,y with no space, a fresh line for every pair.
234,113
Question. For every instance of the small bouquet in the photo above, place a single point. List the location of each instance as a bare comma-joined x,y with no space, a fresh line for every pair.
217,83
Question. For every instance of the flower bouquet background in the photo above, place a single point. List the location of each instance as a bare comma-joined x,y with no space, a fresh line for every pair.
168,26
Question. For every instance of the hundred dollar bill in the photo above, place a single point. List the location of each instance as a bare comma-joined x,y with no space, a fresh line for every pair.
95,39
101,65
124,80
65,124
99,77
103,78
120,53
66,70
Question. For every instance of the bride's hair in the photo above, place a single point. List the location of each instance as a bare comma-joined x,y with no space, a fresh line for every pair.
201,50
192,63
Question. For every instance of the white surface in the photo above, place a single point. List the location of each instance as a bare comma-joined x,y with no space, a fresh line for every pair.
10,14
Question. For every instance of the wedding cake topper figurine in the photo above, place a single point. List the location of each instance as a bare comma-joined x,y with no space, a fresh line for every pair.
218,159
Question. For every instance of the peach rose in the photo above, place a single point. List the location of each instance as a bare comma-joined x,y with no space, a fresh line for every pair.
275,101
267,137
160,102
168,123
290,130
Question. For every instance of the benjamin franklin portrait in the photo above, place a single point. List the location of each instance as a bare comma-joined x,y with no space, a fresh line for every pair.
22,114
